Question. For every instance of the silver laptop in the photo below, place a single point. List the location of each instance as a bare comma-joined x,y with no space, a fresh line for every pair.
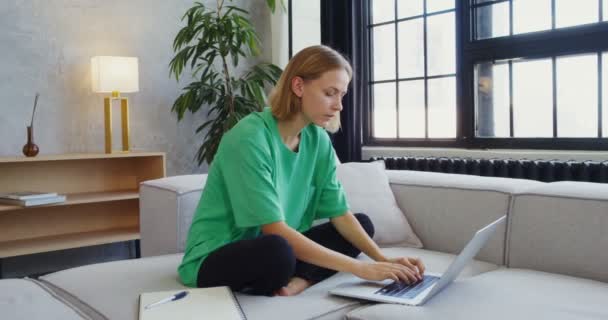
418,293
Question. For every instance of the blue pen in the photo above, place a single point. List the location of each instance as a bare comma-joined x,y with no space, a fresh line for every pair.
174,297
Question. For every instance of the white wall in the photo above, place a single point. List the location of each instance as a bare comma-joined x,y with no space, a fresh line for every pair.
46,46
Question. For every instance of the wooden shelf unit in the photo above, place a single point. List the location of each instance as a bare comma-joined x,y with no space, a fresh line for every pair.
102,200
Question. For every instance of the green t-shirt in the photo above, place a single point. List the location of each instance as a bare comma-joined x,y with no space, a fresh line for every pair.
255,179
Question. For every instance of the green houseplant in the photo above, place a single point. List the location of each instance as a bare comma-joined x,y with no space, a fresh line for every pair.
211,45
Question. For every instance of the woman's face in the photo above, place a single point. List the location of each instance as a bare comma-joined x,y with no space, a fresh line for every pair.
322,97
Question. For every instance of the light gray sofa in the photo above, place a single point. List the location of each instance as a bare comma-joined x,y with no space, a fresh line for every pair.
549,260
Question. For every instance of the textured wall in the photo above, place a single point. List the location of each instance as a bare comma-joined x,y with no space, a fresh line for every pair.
46,46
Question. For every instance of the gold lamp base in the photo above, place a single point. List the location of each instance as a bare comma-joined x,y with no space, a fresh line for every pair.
124,110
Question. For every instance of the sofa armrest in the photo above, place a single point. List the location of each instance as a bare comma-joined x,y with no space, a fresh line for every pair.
166,209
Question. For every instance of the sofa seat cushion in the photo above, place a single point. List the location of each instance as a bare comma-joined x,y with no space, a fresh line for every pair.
504,294
113,289
317,296
29,300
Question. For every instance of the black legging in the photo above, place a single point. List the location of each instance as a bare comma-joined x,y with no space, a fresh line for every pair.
263,265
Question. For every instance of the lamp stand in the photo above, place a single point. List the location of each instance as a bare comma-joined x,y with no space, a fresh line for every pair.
124,110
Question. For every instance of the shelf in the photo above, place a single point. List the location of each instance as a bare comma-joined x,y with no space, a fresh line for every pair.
66,241
85,197
101,206
81,156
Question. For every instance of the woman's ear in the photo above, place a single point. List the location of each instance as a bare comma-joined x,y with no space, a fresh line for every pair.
297,86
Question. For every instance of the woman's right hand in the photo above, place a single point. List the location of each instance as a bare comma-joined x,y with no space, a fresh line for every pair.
378,271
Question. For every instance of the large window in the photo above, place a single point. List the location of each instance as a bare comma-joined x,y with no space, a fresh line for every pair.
413,69
555,97
483,73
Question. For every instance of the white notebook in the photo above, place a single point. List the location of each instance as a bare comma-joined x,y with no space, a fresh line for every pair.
200,303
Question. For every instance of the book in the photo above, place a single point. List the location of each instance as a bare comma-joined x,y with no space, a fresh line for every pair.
199,303
27,195
33,202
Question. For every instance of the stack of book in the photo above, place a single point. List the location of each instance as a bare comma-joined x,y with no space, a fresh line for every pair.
29,198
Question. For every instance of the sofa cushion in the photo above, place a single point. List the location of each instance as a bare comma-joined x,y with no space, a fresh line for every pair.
113,288
434,261
504,294
561,227
167,207
28,300
368,191
445,210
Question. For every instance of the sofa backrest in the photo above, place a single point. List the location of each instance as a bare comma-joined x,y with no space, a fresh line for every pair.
561,227
445,210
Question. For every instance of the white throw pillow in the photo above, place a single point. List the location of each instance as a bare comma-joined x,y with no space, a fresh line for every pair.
368,191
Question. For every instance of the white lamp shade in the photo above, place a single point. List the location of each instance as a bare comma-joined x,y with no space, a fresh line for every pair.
114,74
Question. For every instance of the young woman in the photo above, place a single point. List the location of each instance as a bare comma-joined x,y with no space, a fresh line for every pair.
273,175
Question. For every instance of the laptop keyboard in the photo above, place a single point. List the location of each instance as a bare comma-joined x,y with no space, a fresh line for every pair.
407,291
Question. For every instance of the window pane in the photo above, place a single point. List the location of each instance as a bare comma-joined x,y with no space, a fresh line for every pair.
382,10
493,118
577,96
384,52
442,107
411,48
571,13
306,24
411,109
605,94
605,10
409,8
439,5
441,44
385,113
493,21
529,16
533,99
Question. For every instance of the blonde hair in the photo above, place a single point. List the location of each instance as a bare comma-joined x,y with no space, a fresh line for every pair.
309,64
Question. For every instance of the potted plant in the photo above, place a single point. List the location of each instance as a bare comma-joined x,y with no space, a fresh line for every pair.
211,44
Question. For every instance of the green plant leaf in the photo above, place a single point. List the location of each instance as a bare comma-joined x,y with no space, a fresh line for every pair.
227,36
236,9
271,4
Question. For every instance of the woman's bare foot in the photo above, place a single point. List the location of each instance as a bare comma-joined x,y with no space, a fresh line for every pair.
295,286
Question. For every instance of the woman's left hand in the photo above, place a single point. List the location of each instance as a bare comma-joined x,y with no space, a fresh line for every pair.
413,263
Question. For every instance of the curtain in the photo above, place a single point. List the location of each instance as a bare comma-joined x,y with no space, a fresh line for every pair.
343,27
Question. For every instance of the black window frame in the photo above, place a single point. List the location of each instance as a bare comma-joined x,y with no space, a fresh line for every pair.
542,44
